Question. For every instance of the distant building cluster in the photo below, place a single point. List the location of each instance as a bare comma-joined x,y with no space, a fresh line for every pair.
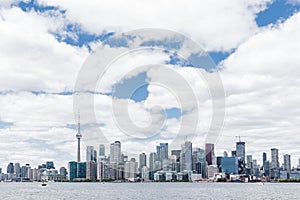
185,164
47,172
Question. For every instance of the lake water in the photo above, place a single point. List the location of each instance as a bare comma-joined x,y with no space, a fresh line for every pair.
150,191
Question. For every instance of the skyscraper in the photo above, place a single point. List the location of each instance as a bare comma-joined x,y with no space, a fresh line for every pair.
115,152
240,150
177,154
210,153
152,167
162,151
186,156
10,168
91,170
17,170
101,150
264,158
274,158
130,169
50,165
78,136
287,164
89,153
249,162
72,170
142,160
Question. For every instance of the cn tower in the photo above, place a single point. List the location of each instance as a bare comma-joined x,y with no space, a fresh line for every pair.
78,136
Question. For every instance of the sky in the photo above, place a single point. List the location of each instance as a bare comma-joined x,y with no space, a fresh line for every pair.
254,45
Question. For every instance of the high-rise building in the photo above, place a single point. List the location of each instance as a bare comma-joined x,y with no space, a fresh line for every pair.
91,170
240,150
72,170
249,162
95,156
287,164
152,165
177,154
186,156
264,157
142,160
63,171
130,169
81,170
229,165
274,158
115,152
89,153
50,165
162,151
198,161
17,170
10,168
210,153
102,150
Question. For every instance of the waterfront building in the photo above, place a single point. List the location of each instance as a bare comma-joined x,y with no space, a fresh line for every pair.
91,170
210,153
152,166
177,154
89,153
162,151
115,152
240,150
229,165
130,169
287,164
211,171
10,168
142,161
50,165
72,170
17,170
274,166
186,156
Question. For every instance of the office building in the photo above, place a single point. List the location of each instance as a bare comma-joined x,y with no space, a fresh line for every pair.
186,156
142,161
210,153
162,151
115,152
287,164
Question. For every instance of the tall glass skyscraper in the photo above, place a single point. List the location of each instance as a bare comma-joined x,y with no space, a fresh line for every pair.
186,156
115,152
274,158
162,151
210,153
142,160
240,150
89,153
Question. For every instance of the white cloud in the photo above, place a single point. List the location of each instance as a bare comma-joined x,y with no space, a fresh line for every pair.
31,58
216,25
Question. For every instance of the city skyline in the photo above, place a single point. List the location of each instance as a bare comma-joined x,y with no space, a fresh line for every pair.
253,44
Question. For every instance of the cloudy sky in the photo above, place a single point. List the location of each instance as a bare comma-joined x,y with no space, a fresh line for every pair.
45,43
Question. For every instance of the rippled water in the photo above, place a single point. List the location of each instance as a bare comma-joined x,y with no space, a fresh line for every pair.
150,191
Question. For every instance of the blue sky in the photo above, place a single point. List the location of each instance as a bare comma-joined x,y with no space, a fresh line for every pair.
46,43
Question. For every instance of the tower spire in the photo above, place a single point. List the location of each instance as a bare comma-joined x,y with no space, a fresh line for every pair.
78,136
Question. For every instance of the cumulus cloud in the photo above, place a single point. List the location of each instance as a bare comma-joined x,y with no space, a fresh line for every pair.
216,25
